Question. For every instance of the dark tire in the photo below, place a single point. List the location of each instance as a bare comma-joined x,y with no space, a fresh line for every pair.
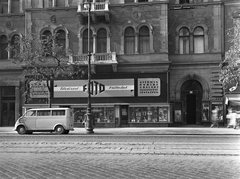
29,132
59,130
21,130
66,132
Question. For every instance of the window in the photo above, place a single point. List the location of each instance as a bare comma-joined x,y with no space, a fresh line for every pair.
61,39
4,6
184,41
47,42
129,41
102,41
184,2
31,113
142,0
129,1
3,46
144,40
44,113
198,38
14,43
58,112
60,3
15,6
85,41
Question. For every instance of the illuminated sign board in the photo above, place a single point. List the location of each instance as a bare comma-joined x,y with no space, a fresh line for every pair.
149,87
98,88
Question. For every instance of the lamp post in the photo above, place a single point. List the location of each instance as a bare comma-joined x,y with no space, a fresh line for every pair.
89,123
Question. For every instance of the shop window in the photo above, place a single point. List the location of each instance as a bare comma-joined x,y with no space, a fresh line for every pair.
198,38
100,114
102,41
4,6
85,41
129,41
184,41
144,40
15,44
149,114
61,39
3,47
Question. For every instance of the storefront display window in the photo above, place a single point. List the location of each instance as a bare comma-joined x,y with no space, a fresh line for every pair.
100,114
149,114
218,106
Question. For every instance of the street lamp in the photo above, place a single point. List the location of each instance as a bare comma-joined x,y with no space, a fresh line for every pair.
89,126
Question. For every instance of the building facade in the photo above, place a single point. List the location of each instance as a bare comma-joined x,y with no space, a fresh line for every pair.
156,62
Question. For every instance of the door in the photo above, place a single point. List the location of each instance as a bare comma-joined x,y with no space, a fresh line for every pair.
29,119
191,109
8,113
124,116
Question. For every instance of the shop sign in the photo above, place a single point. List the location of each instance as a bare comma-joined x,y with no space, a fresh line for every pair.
38,89
149,87
98,88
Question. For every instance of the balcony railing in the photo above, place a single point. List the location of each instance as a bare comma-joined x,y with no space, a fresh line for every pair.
96,58
95,6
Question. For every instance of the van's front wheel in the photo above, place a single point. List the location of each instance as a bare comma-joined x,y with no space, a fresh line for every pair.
59,130
21,130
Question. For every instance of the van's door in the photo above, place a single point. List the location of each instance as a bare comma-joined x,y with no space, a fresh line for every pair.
44,121
29,119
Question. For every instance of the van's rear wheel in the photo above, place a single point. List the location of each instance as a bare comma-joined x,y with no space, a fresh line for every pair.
21,130
59,130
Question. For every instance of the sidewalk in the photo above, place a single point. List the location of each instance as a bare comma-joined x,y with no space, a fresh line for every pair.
148,131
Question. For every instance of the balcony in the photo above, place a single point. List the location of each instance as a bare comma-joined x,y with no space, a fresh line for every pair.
99,10
96,59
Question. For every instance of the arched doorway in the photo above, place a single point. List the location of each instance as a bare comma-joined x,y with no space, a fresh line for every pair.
191,96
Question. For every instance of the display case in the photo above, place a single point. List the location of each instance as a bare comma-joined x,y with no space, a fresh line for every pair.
205,111
178,111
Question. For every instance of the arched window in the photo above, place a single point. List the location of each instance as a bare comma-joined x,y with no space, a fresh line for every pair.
184,41
47,42
85,41
144,46
61,39
198,38
102,41
129,41
60,3
15,44
3,46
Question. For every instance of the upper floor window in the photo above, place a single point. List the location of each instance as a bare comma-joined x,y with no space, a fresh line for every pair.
3,47
14,43
144,40
183,1
135,1
102,41
129,41
47,42
61,39
60,3
198,38
184,41
4,6
85,41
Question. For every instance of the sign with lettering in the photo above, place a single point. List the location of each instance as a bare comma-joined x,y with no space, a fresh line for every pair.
38,89
149,87
98,88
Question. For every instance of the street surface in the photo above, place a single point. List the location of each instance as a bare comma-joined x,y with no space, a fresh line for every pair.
50,156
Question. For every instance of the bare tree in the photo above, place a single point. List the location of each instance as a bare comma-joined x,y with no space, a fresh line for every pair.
43,60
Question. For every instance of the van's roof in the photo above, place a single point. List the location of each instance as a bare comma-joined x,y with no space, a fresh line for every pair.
48,108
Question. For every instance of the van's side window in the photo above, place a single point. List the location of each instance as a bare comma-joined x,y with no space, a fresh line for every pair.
44,113
58,112
30,113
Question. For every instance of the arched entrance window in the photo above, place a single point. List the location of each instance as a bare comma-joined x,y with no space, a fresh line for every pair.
191,95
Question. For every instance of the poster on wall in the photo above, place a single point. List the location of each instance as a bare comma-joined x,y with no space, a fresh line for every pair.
178,111
149,87
218,107
205,111
38,89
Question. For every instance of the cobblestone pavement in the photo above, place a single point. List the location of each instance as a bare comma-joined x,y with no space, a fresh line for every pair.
115,166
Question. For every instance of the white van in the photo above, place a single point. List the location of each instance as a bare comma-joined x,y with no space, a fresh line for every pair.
59,120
